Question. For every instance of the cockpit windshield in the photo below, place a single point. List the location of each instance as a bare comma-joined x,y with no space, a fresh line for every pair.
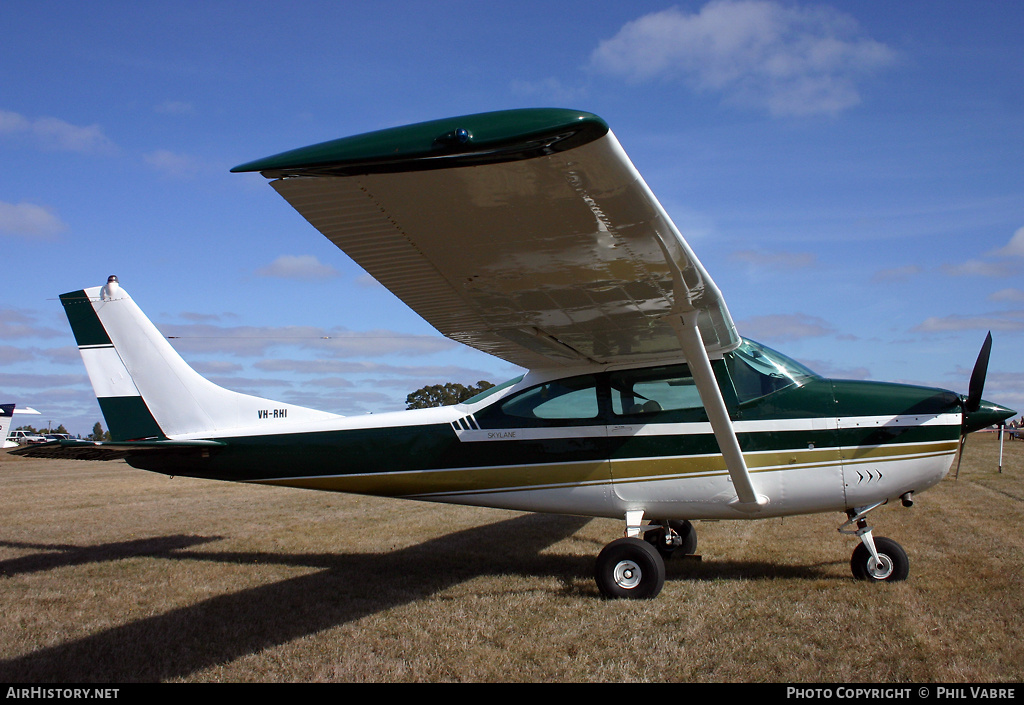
758,371
492,390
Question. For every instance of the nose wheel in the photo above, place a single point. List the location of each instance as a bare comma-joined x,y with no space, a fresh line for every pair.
875,559
890,562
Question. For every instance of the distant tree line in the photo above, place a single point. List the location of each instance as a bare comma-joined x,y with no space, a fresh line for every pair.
444,394
98,434
41,431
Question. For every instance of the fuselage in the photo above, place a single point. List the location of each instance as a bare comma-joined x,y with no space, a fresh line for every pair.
603,441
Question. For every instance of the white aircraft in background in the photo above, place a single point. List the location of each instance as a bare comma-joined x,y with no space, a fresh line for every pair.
529,235
7,412
6,416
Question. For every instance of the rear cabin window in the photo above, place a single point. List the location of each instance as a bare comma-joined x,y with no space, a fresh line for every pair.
562,400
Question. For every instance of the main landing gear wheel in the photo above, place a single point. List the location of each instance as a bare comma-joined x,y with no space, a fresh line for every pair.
892,563
684,538
630,568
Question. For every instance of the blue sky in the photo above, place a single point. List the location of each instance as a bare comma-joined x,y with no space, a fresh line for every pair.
850,173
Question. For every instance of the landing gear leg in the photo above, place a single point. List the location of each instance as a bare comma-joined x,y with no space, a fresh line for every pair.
630,567
878,559
672,536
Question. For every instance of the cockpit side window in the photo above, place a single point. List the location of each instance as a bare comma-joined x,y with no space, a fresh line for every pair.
652,390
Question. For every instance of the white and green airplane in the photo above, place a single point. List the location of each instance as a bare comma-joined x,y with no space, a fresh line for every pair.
529,235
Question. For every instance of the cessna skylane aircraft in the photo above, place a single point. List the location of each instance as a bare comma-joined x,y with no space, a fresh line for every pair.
529,235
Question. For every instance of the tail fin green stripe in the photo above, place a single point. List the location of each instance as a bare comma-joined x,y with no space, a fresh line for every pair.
129,419
85,324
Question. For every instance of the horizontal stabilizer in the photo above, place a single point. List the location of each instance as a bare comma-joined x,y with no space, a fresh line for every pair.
113,450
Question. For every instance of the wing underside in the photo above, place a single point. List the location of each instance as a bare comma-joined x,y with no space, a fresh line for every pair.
542,256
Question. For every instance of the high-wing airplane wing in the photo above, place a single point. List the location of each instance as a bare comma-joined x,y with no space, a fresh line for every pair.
527,234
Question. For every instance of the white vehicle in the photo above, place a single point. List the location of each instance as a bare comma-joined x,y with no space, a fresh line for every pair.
26,437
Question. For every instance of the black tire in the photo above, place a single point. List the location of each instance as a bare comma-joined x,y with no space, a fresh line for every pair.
894,564
656,537
630,568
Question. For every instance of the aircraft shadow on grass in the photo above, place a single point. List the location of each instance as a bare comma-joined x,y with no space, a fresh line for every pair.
66,555
347,587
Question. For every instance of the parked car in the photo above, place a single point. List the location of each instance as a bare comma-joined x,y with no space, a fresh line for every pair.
26,437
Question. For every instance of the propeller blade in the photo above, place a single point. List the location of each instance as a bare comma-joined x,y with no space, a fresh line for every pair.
974,391
977,385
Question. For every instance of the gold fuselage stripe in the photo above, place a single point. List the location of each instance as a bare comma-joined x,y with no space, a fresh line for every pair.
488,479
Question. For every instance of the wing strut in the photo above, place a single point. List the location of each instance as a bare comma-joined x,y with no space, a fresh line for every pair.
690,339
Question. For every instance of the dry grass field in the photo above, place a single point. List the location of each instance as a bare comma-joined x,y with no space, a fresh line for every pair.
109,574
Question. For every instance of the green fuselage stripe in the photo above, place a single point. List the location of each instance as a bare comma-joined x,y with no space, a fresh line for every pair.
423,459
796,428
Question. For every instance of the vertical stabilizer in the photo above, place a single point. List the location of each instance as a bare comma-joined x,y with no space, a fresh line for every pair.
144,388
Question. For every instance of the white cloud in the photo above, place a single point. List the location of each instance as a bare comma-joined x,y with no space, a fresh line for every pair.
337,367
786,59
216,367
784,327
979,268
365,281
775,260
56,134
29,220
830,370
551,89
896,273
1004,321
23,380
1007,295
173,163
304,267
11,123
256,341
16,324
1015,247
175,107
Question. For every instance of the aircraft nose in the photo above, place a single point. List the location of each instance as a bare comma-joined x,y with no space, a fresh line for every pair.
987,414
